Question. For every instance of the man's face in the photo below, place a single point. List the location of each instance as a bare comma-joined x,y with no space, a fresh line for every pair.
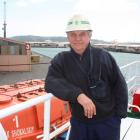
79,40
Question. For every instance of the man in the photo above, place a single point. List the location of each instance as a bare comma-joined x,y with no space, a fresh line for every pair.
90,80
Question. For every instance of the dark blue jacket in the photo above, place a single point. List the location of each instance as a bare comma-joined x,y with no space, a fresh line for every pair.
96,74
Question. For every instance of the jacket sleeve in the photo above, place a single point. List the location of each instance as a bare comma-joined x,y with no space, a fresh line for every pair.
57,84
118,87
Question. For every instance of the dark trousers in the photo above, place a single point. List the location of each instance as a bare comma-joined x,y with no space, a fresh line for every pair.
108,129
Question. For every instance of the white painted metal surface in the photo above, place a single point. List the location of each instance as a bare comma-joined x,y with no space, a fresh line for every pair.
57,131
16,108
133,132
2,133
46,121
125,126
68,134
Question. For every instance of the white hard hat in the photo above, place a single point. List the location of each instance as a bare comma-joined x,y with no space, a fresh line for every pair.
78,22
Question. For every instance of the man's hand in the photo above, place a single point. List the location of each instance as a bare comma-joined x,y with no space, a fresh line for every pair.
87,104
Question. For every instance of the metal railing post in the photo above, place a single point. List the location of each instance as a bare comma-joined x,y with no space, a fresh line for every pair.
3,135
16,108
68,133
47,120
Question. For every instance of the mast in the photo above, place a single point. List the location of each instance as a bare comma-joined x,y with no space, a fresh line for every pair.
4,17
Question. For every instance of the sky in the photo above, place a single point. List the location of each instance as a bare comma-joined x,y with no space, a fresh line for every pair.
111,20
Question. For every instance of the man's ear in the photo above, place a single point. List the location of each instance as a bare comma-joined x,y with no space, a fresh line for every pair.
90,34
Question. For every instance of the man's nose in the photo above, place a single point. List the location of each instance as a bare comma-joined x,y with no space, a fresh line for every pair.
78,37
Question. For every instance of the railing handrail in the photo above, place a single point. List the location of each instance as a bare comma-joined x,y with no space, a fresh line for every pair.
134,62
16,108
135,75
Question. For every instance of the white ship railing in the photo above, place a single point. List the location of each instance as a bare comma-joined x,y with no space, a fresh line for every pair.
16,108
131,73
131,77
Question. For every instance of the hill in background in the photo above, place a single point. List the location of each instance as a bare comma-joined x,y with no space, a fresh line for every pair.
32,38
29,38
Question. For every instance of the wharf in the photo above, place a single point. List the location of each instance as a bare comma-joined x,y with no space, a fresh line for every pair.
39,71
120,48
126,48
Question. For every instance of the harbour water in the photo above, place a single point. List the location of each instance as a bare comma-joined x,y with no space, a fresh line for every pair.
121,58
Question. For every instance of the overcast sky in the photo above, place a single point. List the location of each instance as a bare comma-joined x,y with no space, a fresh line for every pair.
112,20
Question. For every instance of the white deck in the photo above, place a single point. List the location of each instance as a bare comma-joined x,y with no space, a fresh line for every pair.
130,129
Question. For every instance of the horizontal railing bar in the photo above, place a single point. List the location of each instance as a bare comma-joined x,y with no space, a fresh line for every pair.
122,67
134,106
16,108
137,77
129,89
131,79
57,131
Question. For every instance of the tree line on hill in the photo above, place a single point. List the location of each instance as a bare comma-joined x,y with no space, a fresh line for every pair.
32,38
